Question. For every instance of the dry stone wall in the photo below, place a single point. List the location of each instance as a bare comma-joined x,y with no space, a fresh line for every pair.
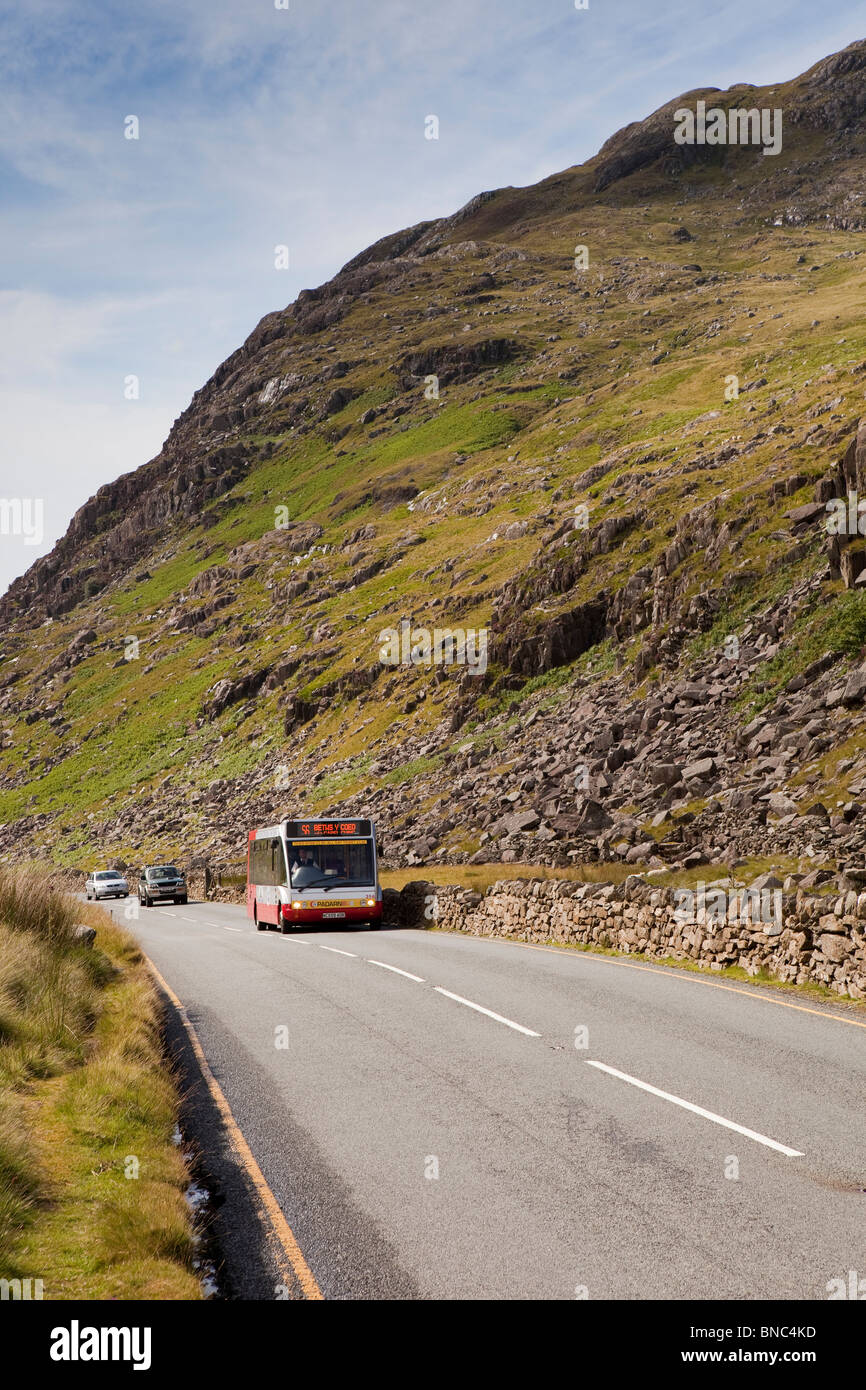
810,939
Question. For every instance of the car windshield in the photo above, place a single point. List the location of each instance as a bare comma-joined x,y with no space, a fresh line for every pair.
167,872
109,873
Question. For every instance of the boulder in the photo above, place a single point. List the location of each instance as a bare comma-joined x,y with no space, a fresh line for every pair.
640,852
855,687
699,771
593,816
834,947
767,880
664,774
810,511
694,859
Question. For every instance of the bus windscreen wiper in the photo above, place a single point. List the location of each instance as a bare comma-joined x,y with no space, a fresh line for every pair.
328,882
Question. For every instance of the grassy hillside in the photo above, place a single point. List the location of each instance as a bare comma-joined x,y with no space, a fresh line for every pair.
313,495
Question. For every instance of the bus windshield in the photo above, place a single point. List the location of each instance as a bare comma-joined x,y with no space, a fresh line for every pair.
321,864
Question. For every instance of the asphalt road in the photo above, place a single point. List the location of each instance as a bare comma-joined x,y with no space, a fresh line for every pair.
420,1147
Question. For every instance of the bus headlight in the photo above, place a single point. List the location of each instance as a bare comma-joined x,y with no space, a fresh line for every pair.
297,904
371,902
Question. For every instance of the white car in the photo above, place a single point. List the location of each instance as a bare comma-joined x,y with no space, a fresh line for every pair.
106,883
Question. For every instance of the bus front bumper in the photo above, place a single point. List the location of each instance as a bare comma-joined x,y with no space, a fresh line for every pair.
299,916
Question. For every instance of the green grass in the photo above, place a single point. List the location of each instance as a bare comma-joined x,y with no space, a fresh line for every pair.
845,631
835,622
556,682
415,768
336,784
171,576
464,428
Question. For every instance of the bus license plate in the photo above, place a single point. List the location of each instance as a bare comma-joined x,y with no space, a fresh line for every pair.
333,914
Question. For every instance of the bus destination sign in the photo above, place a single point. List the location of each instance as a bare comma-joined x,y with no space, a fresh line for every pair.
298,829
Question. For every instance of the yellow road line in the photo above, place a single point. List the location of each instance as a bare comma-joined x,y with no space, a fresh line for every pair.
672,974
280,1227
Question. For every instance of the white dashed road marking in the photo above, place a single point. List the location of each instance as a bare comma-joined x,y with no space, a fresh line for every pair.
396,970
530,1033
698,1110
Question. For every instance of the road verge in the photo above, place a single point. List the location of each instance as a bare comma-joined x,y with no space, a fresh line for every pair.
91,1181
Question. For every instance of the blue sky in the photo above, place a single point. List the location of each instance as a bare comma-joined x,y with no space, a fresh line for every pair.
262,126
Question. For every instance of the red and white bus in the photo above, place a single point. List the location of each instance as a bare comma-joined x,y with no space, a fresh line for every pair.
302,872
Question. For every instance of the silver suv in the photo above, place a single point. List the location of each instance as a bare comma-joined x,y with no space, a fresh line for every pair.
162,881
106,883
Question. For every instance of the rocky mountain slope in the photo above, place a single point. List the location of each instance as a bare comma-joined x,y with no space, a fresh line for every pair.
623,480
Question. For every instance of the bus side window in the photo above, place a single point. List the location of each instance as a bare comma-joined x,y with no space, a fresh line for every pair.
277,870
261,866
